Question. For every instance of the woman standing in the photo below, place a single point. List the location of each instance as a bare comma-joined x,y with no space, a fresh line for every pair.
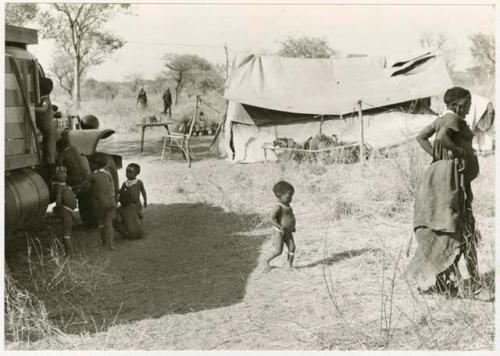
443,221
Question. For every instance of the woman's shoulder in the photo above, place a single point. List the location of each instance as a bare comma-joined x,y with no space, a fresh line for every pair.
450,120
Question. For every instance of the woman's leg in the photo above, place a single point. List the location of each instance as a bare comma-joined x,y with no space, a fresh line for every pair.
444,283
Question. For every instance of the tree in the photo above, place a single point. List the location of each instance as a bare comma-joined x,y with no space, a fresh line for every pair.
135,80
78,32
63,71
184,68
210,80
440,42
20,14
307,47
483,51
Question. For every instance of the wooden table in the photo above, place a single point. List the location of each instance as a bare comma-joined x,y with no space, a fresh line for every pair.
153,124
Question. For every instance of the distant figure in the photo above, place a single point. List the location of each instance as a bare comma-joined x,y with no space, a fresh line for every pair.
65,204
103,200
142,99
283,222
167,102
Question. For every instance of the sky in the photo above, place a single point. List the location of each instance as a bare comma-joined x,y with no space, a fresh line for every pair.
152,30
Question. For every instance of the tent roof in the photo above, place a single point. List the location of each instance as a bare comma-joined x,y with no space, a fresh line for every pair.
333,86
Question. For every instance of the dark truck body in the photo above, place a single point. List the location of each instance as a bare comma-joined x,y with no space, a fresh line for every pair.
26,192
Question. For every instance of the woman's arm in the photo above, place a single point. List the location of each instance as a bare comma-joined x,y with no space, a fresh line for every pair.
423,138
143,192
444,138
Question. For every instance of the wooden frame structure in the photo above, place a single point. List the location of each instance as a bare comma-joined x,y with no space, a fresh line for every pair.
181,140
270,147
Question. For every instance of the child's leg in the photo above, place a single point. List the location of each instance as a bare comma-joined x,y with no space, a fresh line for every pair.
290,244
119,225
108,228
100,217
67,221
277,240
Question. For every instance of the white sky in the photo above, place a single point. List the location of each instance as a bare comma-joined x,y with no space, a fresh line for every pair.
369,29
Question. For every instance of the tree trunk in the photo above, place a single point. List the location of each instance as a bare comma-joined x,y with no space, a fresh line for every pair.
177,93
76,87
178,88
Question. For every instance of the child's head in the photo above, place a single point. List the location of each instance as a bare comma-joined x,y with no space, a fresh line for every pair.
100,160
133,170
60,174
284,191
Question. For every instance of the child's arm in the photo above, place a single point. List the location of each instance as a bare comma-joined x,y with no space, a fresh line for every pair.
275,216
139,211
143,192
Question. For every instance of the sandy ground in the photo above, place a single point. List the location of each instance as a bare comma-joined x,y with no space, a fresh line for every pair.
193,282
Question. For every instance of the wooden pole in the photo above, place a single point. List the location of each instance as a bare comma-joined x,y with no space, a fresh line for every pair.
362,146
227,61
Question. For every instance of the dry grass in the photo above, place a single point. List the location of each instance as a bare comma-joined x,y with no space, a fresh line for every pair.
122,114
347,291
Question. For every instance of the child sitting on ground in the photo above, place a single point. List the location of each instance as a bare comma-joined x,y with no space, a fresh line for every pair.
65,204
129,219
283,222
134,187
103,199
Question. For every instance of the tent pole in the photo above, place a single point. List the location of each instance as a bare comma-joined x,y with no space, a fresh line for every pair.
362,147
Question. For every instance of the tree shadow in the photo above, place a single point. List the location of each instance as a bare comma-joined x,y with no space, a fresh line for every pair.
194,257
339,257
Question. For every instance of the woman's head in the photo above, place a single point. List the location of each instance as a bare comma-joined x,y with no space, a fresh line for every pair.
458,100
284,191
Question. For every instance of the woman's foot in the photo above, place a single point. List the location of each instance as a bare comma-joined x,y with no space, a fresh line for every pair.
483,294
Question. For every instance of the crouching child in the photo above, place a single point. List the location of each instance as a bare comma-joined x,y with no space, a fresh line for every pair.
129,220
103,200
65,204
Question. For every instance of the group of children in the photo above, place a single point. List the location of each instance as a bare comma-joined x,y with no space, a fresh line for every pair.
126,219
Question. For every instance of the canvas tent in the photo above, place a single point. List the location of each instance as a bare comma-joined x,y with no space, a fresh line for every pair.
481,120
270,97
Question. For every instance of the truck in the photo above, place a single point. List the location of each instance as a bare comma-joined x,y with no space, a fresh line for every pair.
27,172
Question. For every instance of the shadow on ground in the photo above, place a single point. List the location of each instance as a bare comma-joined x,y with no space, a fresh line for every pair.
195,257
338,257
